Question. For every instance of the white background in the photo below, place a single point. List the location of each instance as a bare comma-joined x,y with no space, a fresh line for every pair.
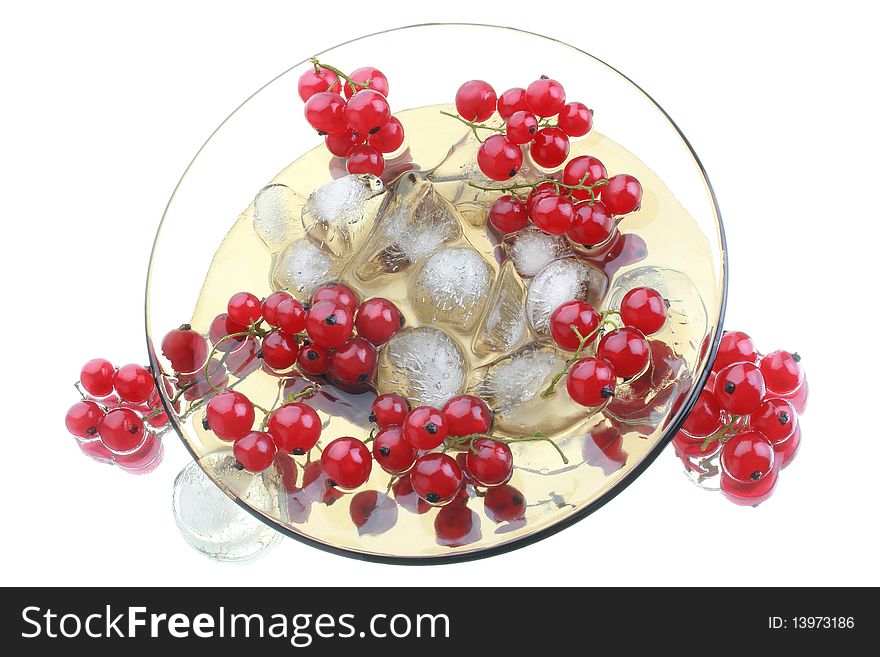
104,104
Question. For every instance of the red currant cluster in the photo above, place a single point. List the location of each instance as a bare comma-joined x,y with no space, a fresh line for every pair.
622,352
119,417
358,126
747,417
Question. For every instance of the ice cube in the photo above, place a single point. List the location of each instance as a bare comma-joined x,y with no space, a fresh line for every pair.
460,164
558,282
414,223
451,288
215,525
277,211
423,364
531,249
302,267
340,214
503,326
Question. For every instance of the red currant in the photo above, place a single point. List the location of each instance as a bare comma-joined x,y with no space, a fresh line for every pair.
279,350
337,293
591,382
543,189
185,349
340,145
643,308
372,77
96,377
489,462
704,418
133,383
346,462
498,158
389,410
230,415
377,320
312,82
295,428
436,478
221,327
747,457
504,504
393,452
325,112
466,415
782,372
584,170
82,419
735,347
313,359
121,430
269,307
521,127
367,112
244,308
353,362
390,136
291,316
573,315
475,100
775,420
143,459
365,159
549,148
593,224
508,214
740,389
622,194
749,493
425,427
255,451
575,119
511,101
626,350
329,323
545,97
787,448
553,214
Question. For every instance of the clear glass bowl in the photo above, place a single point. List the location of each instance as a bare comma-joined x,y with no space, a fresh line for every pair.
267,132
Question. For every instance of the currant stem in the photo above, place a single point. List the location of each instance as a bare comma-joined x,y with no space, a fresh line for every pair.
461,441
474,126
342,76
558,185
583,340
725,433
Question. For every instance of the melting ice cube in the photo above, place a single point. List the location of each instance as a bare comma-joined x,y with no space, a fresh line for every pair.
302,267
277,216
503,326
558,282
532,249
340,214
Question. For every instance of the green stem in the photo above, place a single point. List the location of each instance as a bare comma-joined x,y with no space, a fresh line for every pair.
468,440
474,126
558,185
342,76
725,433
583,341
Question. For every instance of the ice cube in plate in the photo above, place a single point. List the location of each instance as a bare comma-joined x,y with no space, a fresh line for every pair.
302,267
558,282
531,249
503,326
277,210
340,214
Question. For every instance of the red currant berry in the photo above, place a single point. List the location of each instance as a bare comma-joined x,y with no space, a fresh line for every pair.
365,159
475,100
295,428
584,170
573,315
704,418
498,158
185,349
545,97
622,194
750,493
121,430
747,457
393,452
96,377
521,127
325,112
279,350
82,419
337,293
643,308
775,420
389,410
340,145
313,359
593,224
489,462
133,383
220,328
230,415
735,347
329,324
436,478
346,462
553,214
787,448
466,415
575,119
244,308
542,190
626,350
269,307
313,82
505,504
367,112
372,77
353,362
389,138
291,316
740,389
425,427
508,214
782,372
377,320
148,454
255,452
512,101
549,148
591,382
